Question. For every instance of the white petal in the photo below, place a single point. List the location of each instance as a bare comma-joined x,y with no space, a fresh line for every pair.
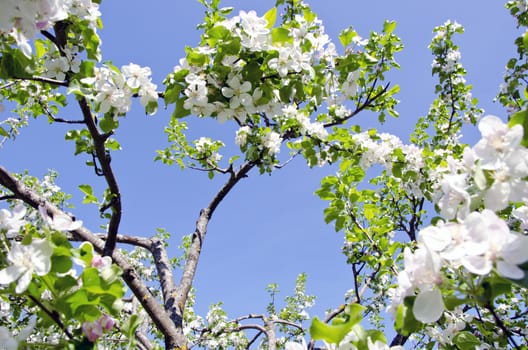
434,238
477,264
294,346
516,251
10,274
428,306
24,281
41,251
19,211
509,270
497,196
490,125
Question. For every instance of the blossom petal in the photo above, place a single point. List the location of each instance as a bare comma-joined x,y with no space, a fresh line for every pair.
516,251
434,238
10,274
428,306
477,264
41,251
509,270
24,281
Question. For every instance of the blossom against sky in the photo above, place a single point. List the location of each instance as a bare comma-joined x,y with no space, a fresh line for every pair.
270,228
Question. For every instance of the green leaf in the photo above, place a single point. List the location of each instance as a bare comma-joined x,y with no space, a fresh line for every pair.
172,94
465,341
90,277
40,48
180,111
108,123
61,263
325,194
271,17
330,333
346,36
525,41
452,301
522,119
405,322
3,132
14,64
130,325
91,43
281,36
88,194
370,210
340,327
218,33
112,144
84,253
65,283
152,107
252,72
389,26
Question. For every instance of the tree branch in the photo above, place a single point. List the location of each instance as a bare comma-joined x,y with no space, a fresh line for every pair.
358,109
104,162
130,276
45,80
181,292
53,315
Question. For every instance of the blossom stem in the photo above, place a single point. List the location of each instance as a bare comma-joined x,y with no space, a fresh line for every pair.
53,315
501,325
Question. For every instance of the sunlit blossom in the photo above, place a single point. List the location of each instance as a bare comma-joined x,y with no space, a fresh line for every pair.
24,260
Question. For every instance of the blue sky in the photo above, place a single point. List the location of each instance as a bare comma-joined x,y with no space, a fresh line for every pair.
270,228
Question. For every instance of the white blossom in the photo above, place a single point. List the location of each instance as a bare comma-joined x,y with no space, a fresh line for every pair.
59,221
237,92
490,242
25,260
241,135
12,221
272,141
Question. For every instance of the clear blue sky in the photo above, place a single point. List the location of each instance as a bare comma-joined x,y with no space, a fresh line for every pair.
270,228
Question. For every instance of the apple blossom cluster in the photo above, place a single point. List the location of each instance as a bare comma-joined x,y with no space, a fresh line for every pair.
224,334
449,61
26,259
57,66
23,19
114,89
12,341
206,149
479,242
220,78
522,5
94,330
455,321
389,151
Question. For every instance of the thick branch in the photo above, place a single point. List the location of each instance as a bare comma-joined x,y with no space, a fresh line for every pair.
104,161
166,277
60,40
189,270
130,276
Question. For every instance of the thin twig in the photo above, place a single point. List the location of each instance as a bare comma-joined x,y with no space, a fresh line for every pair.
53,315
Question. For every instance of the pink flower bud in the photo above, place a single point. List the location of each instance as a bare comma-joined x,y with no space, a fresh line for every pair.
100,262
106,322
92,330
